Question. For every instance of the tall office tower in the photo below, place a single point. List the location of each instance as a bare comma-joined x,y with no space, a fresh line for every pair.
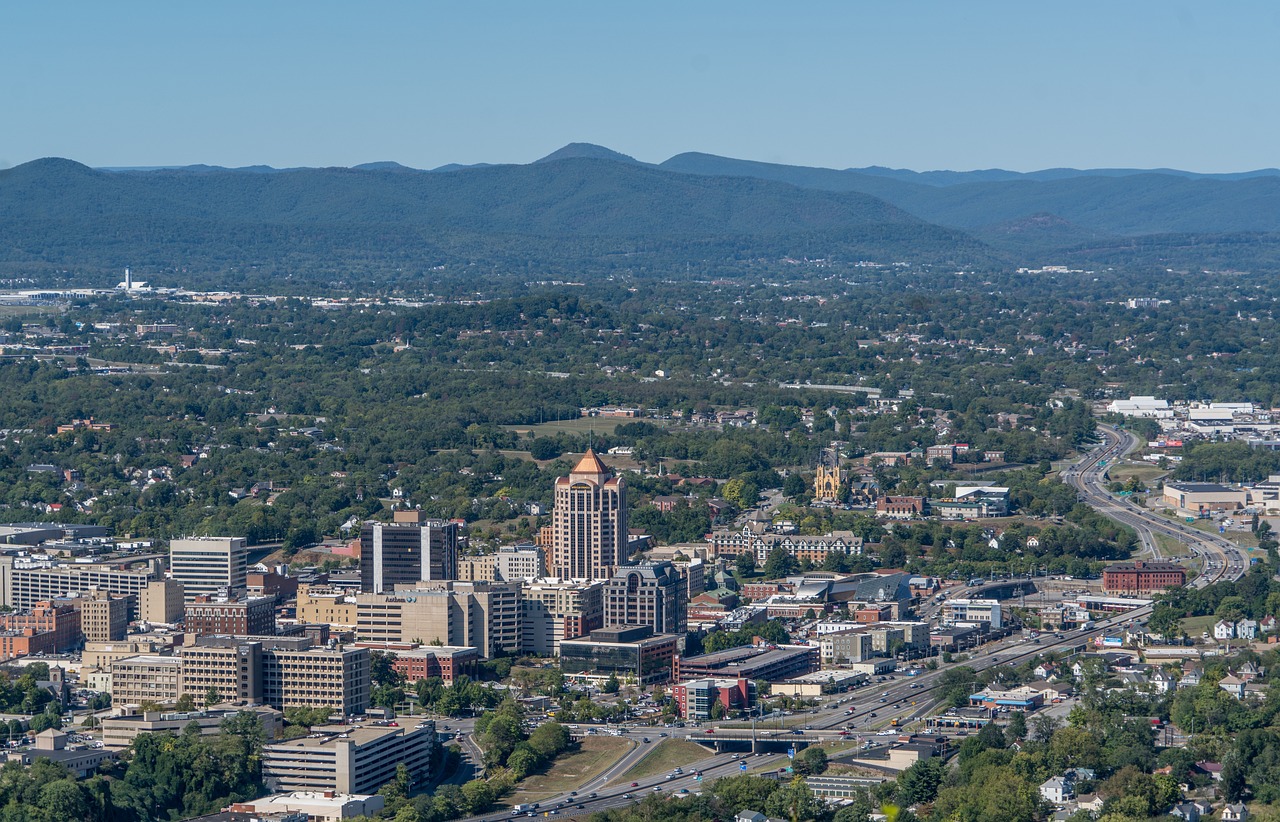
589,524
207,565
407,551
651,593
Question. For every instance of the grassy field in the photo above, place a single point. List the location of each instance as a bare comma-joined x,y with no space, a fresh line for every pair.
1195,625
1171,547
581,425
594,755
1143,471
666,755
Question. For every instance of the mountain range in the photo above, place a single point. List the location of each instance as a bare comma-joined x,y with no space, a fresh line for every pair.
591,207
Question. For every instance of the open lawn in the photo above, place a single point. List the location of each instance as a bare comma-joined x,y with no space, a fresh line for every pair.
581,425
668,754
594,755
1143,471
1194,626
1171,547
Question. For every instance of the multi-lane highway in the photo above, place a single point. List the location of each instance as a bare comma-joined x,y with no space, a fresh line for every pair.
866,711
1222,558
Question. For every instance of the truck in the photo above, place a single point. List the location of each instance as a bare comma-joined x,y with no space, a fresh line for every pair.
1088,625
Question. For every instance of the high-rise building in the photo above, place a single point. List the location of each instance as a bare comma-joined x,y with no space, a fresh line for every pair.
161,601
483,615
207,566
651,593
553,610
520,562
407,551
104,617
589,523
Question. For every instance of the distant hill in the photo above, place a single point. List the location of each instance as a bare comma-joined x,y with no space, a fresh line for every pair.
588,151
1111,201
570,211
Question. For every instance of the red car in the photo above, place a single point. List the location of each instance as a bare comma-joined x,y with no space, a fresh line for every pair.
635,784
711,730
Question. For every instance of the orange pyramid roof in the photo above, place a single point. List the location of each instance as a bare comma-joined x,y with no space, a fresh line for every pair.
590,464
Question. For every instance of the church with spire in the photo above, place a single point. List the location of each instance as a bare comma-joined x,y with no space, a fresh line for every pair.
589,523
828,481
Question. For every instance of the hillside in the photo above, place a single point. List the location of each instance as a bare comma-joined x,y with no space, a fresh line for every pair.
1109,201
576,211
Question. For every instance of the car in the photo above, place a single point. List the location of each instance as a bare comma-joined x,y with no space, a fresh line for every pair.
645,740
669,776
591,795
873,713
626,796
635,784
657,787
581,806
883,699
677,770
573,793
711,730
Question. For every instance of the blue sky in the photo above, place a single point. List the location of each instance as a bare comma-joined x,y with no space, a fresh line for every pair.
923,85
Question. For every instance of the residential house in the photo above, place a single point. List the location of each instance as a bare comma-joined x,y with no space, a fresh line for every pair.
1233,685
1057,790
1246,629
1222,629
1162,682
1234,812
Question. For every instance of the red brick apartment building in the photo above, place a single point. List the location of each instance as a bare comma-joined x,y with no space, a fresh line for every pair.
1142,577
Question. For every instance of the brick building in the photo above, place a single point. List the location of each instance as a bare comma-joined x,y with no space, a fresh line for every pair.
63,621
245,616
1142,577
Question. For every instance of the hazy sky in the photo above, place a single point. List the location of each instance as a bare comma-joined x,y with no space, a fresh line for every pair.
923,85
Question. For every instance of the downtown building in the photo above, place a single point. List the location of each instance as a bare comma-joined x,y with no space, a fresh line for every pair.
349,759
23,585
553,610
481,615
589,523
408,550
208,566
283,672
650,593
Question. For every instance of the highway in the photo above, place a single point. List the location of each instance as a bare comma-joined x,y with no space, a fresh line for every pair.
1222,558
867,712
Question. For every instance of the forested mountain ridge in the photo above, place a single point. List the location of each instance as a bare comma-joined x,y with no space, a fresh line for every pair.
1115,201
576,211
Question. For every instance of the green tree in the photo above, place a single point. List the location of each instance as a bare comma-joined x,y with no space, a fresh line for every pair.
780,563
